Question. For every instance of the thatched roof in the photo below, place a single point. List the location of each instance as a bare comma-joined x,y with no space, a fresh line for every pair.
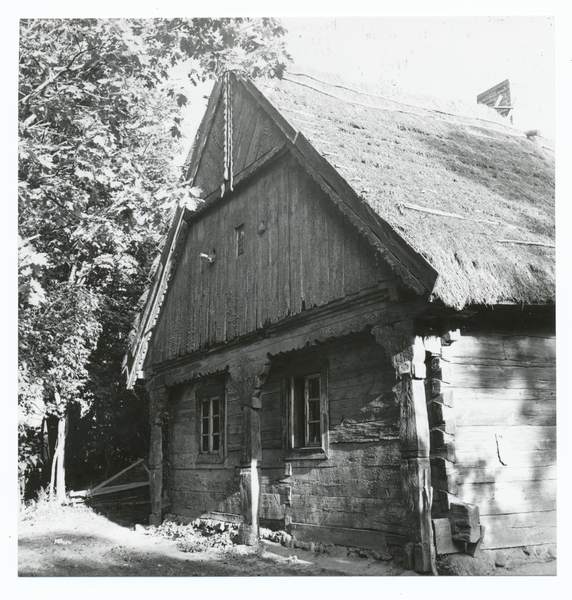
454,184
467,191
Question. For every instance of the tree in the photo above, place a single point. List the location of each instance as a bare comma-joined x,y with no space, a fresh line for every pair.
99,124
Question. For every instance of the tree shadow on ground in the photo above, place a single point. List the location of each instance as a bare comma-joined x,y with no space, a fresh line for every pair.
124,514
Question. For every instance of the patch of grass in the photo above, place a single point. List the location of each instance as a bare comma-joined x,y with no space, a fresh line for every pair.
44,508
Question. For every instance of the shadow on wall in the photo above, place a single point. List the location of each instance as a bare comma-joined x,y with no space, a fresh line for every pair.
505,435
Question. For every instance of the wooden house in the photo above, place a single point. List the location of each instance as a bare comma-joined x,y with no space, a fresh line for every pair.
352,337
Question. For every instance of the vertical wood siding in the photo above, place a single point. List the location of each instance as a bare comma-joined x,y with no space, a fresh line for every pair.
299,252
211,168
254,132
504,390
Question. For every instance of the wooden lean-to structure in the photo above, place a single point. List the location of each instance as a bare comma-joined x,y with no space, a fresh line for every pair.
352,337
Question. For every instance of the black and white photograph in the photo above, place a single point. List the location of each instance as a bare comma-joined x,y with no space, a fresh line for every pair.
286,297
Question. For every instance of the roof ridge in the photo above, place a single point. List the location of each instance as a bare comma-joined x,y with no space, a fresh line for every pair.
501,126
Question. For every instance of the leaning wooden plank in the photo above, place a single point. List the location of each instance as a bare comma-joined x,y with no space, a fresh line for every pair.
119,488
115,476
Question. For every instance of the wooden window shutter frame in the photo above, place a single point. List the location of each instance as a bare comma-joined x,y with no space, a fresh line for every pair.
324,408
292,452
212,387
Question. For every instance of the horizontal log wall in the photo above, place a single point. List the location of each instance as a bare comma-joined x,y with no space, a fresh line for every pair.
504,404
299,252
358,486
195,487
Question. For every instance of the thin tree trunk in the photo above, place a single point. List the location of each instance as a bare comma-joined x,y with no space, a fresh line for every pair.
61,468
58,475
53,470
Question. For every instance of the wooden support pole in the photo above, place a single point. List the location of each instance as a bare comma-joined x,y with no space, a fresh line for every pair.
407,354
250,476
250,385
157,405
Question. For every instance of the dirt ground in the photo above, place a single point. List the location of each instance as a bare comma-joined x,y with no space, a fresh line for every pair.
82,543
79,542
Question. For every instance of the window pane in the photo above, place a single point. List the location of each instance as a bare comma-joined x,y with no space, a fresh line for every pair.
314,387
210,406
313,410
314,433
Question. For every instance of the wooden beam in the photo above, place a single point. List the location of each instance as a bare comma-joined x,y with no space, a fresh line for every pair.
526,243
157,405
338,319
119,488
97,487
407,353
204,130
158,290
249,380
441,213
465,525
444,542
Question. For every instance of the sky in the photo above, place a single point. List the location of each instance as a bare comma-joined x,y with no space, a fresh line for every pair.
451,57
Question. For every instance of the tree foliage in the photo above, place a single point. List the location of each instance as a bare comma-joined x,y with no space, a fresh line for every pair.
99,124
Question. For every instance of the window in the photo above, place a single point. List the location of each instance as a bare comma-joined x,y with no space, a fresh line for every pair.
210,424
305,399
210,416
239,234
307,415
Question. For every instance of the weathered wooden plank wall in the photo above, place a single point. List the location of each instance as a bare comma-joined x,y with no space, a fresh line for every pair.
254,133
358,486
299,252
211,168
504,390
197,488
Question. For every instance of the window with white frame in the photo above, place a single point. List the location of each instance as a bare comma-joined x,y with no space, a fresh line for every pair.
305,409
210,403
210,424
307,414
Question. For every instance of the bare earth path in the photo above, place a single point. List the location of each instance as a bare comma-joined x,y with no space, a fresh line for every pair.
78,542
81,543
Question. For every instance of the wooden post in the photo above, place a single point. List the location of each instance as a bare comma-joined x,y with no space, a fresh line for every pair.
157,404
251,453
407,354
250,476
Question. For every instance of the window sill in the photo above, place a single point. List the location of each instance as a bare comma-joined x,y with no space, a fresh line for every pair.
305,454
